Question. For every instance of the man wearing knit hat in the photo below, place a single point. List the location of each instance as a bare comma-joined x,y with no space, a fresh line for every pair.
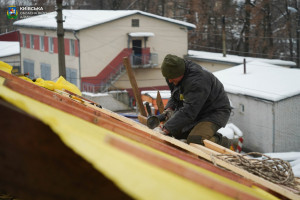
198,106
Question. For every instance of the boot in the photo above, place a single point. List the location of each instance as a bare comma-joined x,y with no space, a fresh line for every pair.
225,142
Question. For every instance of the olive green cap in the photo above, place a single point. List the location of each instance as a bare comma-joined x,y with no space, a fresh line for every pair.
172,67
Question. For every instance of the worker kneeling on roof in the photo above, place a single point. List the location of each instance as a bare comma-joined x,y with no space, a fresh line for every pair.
198,105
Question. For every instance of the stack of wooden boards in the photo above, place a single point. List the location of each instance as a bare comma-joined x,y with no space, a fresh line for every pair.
55,145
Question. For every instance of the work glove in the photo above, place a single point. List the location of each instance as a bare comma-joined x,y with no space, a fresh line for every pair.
161,130
161,117
167,114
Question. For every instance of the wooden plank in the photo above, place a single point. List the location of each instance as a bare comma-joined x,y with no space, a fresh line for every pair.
134,86
159,102
142,119
218,148
204,149
83,98
77,98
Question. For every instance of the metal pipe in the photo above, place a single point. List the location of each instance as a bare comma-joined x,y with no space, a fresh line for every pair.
223,36
245,71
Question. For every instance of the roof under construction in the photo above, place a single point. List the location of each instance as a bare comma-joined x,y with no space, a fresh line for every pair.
57,145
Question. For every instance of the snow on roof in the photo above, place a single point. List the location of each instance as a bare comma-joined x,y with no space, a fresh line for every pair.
95,94
141,34
203,55
9,48
80,19
261,80
165,94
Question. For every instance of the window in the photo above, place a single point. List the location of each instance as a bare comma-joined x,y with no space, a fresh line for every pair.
31,41
24,40
42,43
135,22
45,71
72,47
51,45
71,75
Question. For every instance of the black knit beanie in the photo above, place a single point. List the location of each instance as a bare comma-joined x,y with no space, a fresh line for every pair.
172,67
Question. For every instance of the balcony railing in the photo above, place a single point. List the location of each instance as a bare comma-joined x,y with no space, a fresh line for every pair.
137,61
144,60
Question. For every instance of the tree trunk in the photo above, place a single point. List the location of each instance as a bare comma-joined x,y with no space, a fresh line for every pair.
247,27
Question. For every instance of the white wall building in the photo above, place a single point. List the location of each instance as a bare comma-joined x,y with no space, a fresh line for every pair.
96,42
267,105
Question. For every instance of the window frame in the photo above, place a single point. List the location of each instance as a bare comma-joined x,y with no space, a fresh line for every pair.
72,47
31,41
42,43
24,40
135,22
51,44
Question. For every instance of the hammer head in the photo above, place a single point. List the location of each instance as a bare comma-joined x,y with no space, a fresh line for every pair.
153,122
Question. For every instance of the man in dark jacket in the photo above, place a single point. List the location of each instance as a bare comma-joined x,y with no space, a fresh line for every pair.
198,106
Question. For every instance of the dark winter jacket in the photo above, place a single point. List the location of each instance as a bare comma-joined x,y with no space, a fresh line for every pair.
199,96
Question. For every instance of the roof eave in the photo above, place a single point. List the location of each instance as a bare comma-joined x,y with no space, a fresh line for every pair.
275,100
191,27
235,63
253,97
14,54
213,60
44,28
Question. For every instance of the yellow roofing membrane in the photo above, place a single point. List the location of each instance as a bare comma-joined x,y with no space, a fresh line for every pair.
135,176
